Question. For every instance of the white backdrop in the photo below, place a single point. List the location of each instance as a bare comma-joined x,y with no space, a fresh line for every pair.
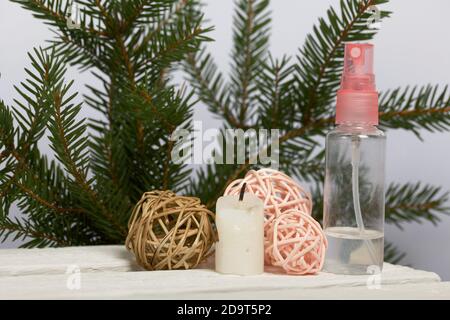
412,47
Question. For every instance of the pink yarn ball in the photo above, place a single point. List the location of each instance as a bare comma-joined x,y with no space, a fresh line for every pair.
297,243
277,190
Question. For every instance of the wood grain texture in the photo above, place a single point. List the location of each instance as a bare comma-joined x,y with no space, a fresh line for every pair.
19,262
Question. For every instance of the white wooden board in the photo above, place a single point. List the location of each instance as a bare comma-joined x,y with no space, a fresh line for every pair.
18,262
201,284
110,272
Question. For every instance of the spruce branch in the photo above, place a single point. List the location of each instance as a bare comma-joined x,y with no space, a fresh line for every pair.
171,45
141,11
392,254
251,25
70,144
86,196
34,196
42,195
52,11
274,87
416,108
55,13
81,46
7,130
165,19
210,86
31,115
20,230
415,203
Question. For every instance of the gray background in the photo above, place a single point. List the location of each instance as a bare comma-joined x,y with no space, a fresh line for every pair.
412,47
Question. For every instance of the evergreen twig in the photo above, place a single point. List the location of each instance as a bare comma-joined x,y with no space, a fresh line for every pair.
86,195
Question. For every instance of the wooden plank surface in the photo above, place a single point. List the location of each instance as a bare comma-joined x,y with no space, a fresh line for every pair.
18,262
206,284
110,272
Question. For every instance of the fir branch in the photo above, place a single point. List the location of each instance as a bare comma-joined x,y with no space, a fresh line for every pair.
250,37
8,169
163,21
7,130
51,11
415,203
173,111
170,127
416,108
209,85
83,52
80,46
170,46
38,187
20,231
70,145
134,12
31,115
391,254
55,13
43,202
274,84
107,171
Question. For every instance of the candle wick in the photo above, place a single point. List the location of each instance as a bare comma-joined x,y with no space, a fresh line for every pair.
241,194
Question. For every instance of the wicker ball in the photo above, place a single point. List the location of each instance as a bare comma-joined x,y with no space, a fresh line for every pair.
297,243
278,191
167,231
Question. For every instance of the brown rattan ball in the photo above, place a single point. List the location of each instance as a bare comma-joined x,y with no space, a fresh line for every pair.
167,231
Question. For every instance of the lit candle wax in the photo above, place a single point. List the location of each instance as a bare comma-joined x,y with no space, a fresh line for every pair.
240,225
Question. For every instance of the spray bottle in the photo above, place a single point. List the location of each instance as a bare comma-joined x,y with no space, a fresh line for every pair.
355,170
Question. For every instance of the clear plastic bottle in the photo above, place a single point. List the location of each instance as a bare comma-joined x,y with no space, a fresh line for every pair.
355,170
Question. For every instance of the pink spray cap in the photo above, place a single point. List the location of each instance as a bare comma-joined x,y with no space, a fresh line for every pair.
357,99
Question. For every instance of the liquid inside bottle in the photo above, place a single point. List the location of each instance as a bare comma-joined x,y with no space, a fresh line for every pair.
354,199
348,251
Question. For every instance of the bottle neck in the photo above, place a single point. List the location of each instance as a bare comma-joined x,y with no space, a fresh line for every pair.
361,125
356,127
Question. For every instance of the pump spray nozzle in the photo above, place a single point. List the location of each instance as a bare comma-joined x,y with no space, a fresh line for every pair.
357,98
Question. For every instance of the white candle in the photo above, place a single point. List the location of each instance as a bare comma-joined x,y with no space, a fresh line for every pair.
240,225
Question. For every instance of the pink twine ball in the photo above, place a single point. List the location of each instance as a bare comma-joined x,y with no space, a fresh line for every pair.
277,190
296,243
